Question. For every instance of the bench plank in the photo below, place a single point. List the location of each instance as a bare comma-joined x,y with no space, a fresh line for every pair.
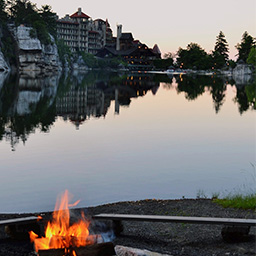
177,219
18,221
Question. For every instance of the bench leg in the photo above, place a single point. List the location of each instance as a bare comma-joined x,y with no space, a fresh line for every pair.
235,233
117,227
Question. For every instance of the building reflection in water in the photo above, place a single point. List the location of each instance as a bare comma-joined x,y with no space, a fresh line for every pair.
83,102
29,103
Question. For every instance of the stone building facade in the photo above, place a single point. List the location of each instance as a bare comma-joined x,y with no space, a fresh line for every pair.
81,33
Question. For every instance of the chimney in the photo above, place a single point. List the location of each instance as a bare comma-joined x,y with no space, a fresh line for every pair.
118,35
79,11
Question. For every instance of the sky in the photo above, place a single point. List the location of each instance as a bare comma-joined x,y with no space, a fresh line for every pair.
170,24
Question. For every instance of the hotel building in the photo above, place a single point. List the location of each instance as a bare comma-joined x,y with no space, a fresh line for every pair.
81,33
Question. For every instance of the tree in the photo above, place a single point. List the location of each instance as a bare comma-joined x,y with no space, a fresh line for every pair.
42,21
169,55
64,51
220,53
194,57
49,18
252,57
245,46
163,64
3,14
23,12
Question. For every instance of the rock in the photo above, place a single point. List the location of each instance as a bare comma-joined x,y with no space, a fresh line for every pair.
242,74
80,65
33,55
3,64
128,251
25,42
32,90
3,76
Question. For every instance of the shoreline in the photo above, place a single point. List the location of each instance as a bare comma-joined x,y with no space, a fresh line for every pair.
134,202
166,238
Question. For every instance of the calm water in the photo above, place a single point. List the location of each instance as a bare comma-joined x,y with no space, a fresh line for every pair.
109,138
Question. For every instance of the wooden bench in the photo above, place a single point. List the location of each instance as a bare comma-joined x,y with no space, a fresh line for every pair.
234,228
18,228
24,220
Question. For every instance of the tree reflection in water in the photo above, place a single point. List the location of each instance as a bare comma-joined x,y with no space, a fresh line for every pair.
27,104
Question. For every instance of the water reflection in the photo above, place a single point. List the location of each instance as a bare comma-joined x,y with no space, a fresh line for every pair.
92,95
28,103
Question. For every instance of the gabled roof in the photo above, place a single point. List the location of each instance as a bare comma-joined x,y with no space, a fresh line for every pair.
78,15
156,49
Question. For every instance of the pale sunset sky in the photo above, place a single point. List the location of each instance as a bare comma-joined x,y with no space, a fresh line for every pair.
168,23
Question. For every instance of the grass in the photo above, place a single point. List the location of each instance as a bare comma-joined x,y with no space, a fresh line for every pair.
243,197
238,201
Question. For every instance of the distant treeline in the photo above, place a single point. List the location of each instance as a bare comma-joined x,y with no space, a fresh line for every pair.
195,57
43,22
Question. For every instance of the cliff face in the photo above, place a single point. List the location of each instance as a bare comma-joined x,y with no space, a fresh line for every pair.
242,74
34,56
3,64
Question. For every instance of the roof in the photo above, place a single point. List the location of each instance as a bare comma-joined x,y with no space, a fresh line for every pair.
77,15
100,20
156,49
114,52
126,36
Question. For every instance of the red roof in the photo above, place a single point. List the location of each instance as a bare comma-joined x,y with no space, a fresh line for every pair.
77,15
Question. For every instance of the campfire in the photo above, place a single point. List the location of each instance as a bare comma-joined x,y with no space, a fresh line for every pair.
65,239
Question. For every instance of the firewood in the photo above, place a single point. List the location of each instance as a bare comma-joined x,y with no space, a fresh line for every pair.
103,249
52,252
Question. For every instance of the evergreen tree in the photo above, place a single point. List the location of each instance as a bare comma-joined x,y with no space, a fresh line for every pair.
23,12
220,53
252,56
245,46
3,14
49,18
42,21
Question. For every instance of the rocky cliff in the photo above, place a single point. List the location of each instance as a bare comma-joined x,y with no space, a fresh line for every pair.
33,56
3,64
242,74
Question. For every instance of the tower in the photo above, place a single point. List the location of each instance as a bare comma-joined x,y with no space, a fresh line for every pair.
118,35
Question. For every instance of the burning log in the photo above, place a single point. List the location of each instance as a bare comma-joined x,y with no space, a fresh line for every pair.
62,238
103,249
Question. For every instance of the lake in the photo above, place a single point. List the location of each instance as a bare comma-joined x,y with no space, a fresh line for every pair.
109,137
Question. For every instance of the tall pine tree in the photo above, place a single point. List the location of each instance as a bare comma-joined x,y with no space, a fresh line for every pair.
220,53
245,46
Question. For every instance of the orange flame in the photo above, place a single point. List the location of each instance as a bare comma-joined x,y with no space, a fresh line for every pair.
59,233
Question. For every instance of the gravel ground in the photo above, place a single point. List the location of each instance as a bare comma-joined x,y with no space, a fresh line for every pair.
169,238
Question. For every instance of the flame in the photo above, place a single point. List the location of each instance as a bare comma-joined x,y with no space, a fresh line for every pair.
59,233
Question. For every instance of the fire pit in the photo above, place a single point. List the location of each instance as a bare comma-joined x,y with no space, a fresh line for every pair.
62,238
